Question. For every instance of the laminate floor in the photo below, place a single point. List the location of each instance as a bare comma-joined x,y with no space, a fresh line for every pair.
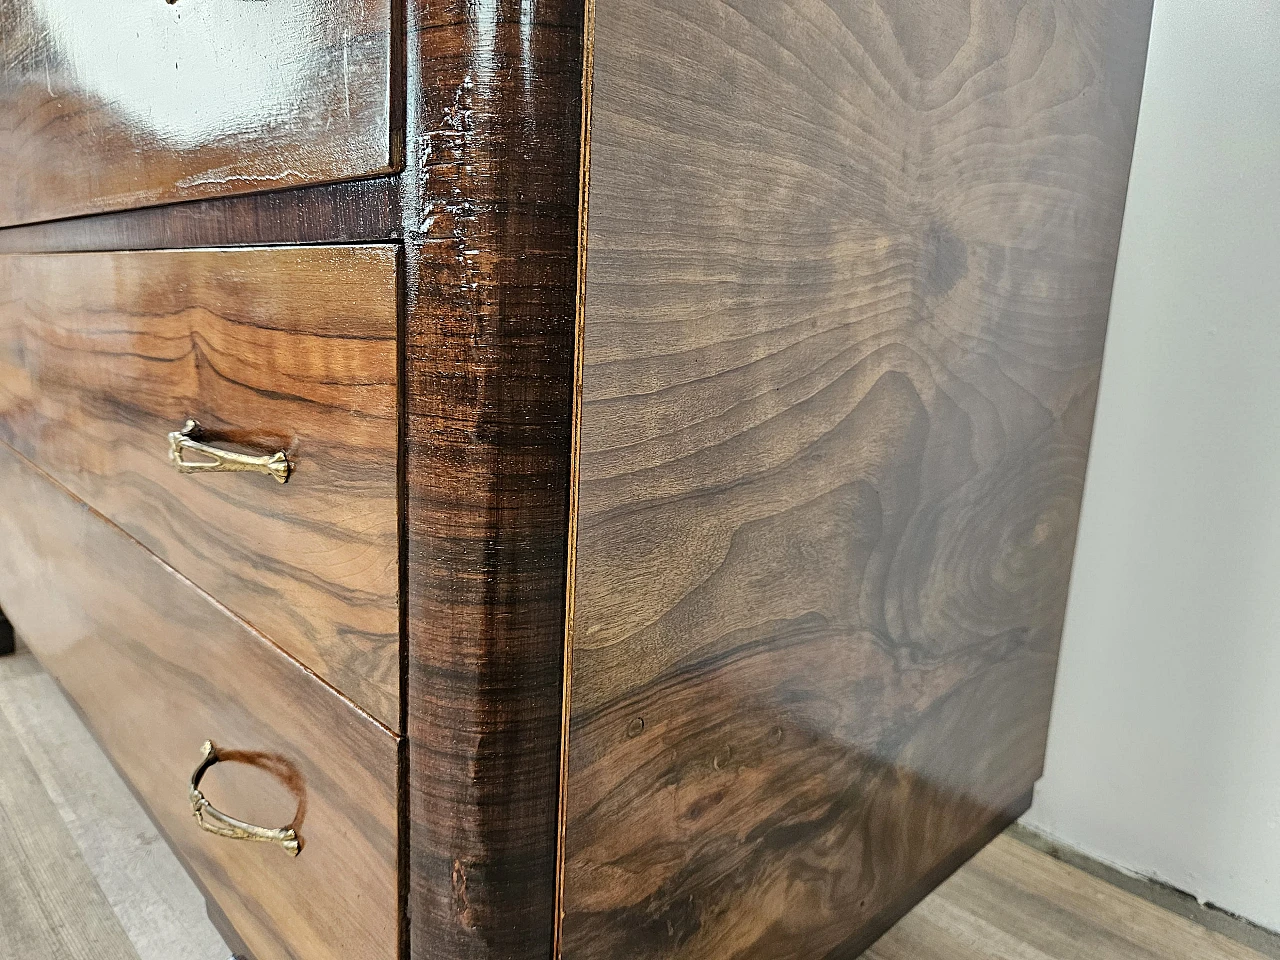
1012,902
85,876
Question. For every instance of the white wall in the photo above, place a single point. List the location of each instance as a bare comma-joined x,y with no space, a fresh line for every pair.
1164,755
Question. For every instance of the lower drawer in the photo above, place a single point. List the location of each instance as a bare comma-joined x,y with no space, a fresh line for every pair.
158,668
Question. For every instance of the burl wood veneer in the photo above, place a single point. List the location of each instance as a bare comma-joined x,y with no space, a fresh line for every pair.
848,272
735,363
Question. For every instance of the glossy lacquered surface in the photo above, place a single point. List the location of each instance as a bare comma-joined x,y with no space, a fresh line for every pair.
156,667
844,287
360,211
848,271
279,349
111,104
491,252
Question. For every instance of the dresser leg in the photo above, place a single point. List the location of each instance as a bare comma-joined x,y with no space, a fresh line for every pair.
7,642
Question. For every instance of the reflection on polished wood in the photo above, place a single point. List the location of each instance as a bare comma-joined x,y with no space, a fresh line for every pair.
108,105
848,269
157,668
103,355
491,252
839,304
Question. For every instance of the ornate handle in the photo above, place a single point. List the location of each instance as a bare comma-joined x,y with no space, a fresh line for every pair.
222,461
215,821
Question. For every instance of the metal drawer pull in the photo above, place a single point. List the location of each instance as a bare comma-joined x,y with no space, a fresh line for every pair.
215,821
222,461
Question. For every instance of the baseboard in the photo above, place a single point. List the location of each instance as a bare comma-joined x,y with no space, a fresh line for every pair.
1207,915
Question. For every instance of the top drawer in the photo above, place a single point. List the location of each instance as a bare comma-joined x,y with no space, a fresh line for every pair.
112,104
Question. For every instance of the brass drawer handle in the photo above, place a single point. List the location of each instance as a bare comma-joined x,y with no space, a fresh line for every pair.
215,821
222,461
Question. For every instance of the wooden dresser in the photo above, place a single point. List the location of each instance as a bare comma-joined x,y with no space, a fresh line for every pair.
519,480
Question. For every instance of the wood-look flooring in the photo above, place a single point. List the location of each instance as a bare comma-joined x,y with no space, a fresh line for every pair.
85,876
1012,902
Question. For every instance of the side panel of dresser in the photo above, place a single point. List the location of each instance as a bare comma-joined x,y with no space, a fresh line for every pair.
102,355
848,277
117,104
157,668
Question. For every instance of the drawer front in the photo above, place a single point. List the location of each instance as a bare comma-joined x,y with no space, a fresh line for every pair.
112,104
288,350
157,668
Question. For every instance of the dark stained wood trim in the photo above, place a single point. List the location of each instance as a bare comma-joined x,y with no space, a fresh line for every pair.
491,234
402,487
353,212
8,642
575,462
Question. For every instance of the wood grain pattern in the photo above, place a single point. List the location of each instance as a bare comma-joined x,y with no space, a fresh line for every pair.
157,667
848,279
491,247
361,211
108,104
101,355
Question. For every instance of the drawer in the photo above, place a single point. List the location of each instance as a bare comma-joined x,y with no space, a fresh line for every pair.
111,104
290,350
157,668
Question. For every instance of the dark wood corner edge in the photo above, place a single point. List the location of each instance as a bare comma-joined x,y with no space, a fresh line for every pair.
352,211
8,642
490,201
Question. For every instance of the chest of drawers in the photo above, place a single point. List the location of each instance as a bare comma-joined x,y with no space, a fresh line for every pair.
510,480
